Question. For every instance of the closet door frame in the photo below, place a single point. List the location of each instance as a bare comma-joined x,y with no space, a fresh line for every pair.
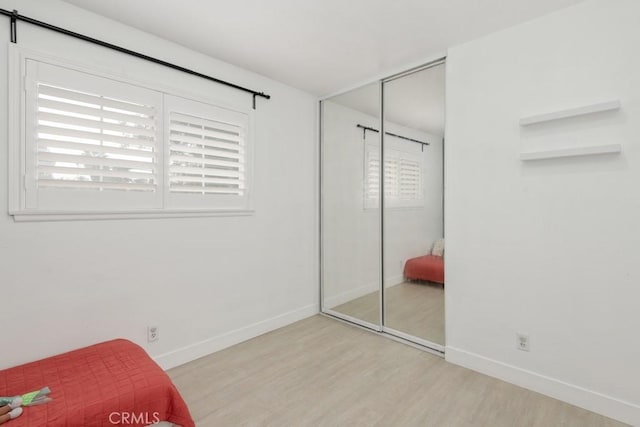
423,344
376,327
430,345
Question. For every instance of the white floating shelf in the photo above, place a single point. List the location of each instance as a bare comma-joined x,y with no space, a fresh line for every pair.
571,152
570,112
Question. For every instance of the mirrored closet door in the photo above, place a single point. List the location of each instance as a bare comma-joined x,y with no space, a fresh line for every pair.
350,217
413,223
382,253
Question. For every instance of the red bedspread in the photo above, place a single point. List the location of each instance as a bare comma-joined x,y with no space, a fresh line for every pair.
427,267
113,383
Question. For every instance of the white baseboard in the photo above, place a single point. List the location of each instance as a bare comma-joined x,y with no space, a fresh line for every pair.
392,281
608,406
360,291
203,348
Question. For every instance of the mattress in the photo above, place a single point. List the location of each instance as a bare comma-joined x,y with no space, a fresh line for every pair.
106,384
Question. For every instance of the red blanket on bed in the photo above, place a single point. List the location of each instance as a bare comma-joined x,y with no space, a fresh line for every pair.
427,267
113,383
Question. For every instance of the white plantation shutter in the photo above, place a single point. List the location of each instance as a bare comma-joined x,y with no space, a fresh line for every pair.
207,155
403,177
391,177
92,142
372,175
410,172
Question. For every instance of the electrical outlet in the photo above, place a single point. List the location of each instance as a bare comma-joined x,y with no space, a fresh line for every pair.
153,333
522,342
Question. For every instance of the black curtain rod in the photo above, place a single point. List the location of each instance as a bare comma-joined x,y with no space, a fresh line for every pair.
366,128
15,16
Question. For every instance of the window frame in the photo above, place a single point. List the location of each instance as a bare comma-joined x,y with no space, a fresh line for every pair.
17,145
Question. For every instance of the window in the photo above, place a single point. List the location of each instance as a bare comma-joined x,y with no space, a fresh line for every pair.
402,178
90,143
206,157
93,144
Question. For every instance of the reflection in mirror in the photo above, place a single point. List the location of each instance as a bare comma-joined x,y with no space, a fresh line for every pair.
350,210
413,205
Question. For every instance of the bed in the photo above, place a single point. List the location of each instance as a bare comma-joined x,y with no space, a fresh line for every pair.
106,384
427,267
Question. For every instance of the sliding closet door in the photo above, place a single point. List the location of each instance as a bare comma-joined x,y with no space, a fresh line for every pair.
413,206
350,206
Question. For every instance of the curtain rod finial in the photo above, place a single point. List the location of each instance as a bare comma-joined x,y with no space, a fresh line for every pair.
14,26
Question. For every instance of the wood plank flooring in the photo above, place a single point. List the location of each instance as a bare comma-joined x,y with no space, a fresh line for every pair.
411,307
321,372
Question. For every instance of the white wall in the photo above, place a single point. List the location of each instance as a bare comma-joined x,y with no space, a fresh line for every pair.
547,248
206,282
351,233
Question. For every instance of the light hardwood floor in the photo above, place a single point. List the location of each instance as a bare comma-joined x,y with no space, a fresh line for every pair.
411,307
321,372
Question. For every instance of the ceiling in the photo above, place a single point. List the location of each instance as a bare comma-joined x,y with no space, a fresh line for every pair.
415,101
321,46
